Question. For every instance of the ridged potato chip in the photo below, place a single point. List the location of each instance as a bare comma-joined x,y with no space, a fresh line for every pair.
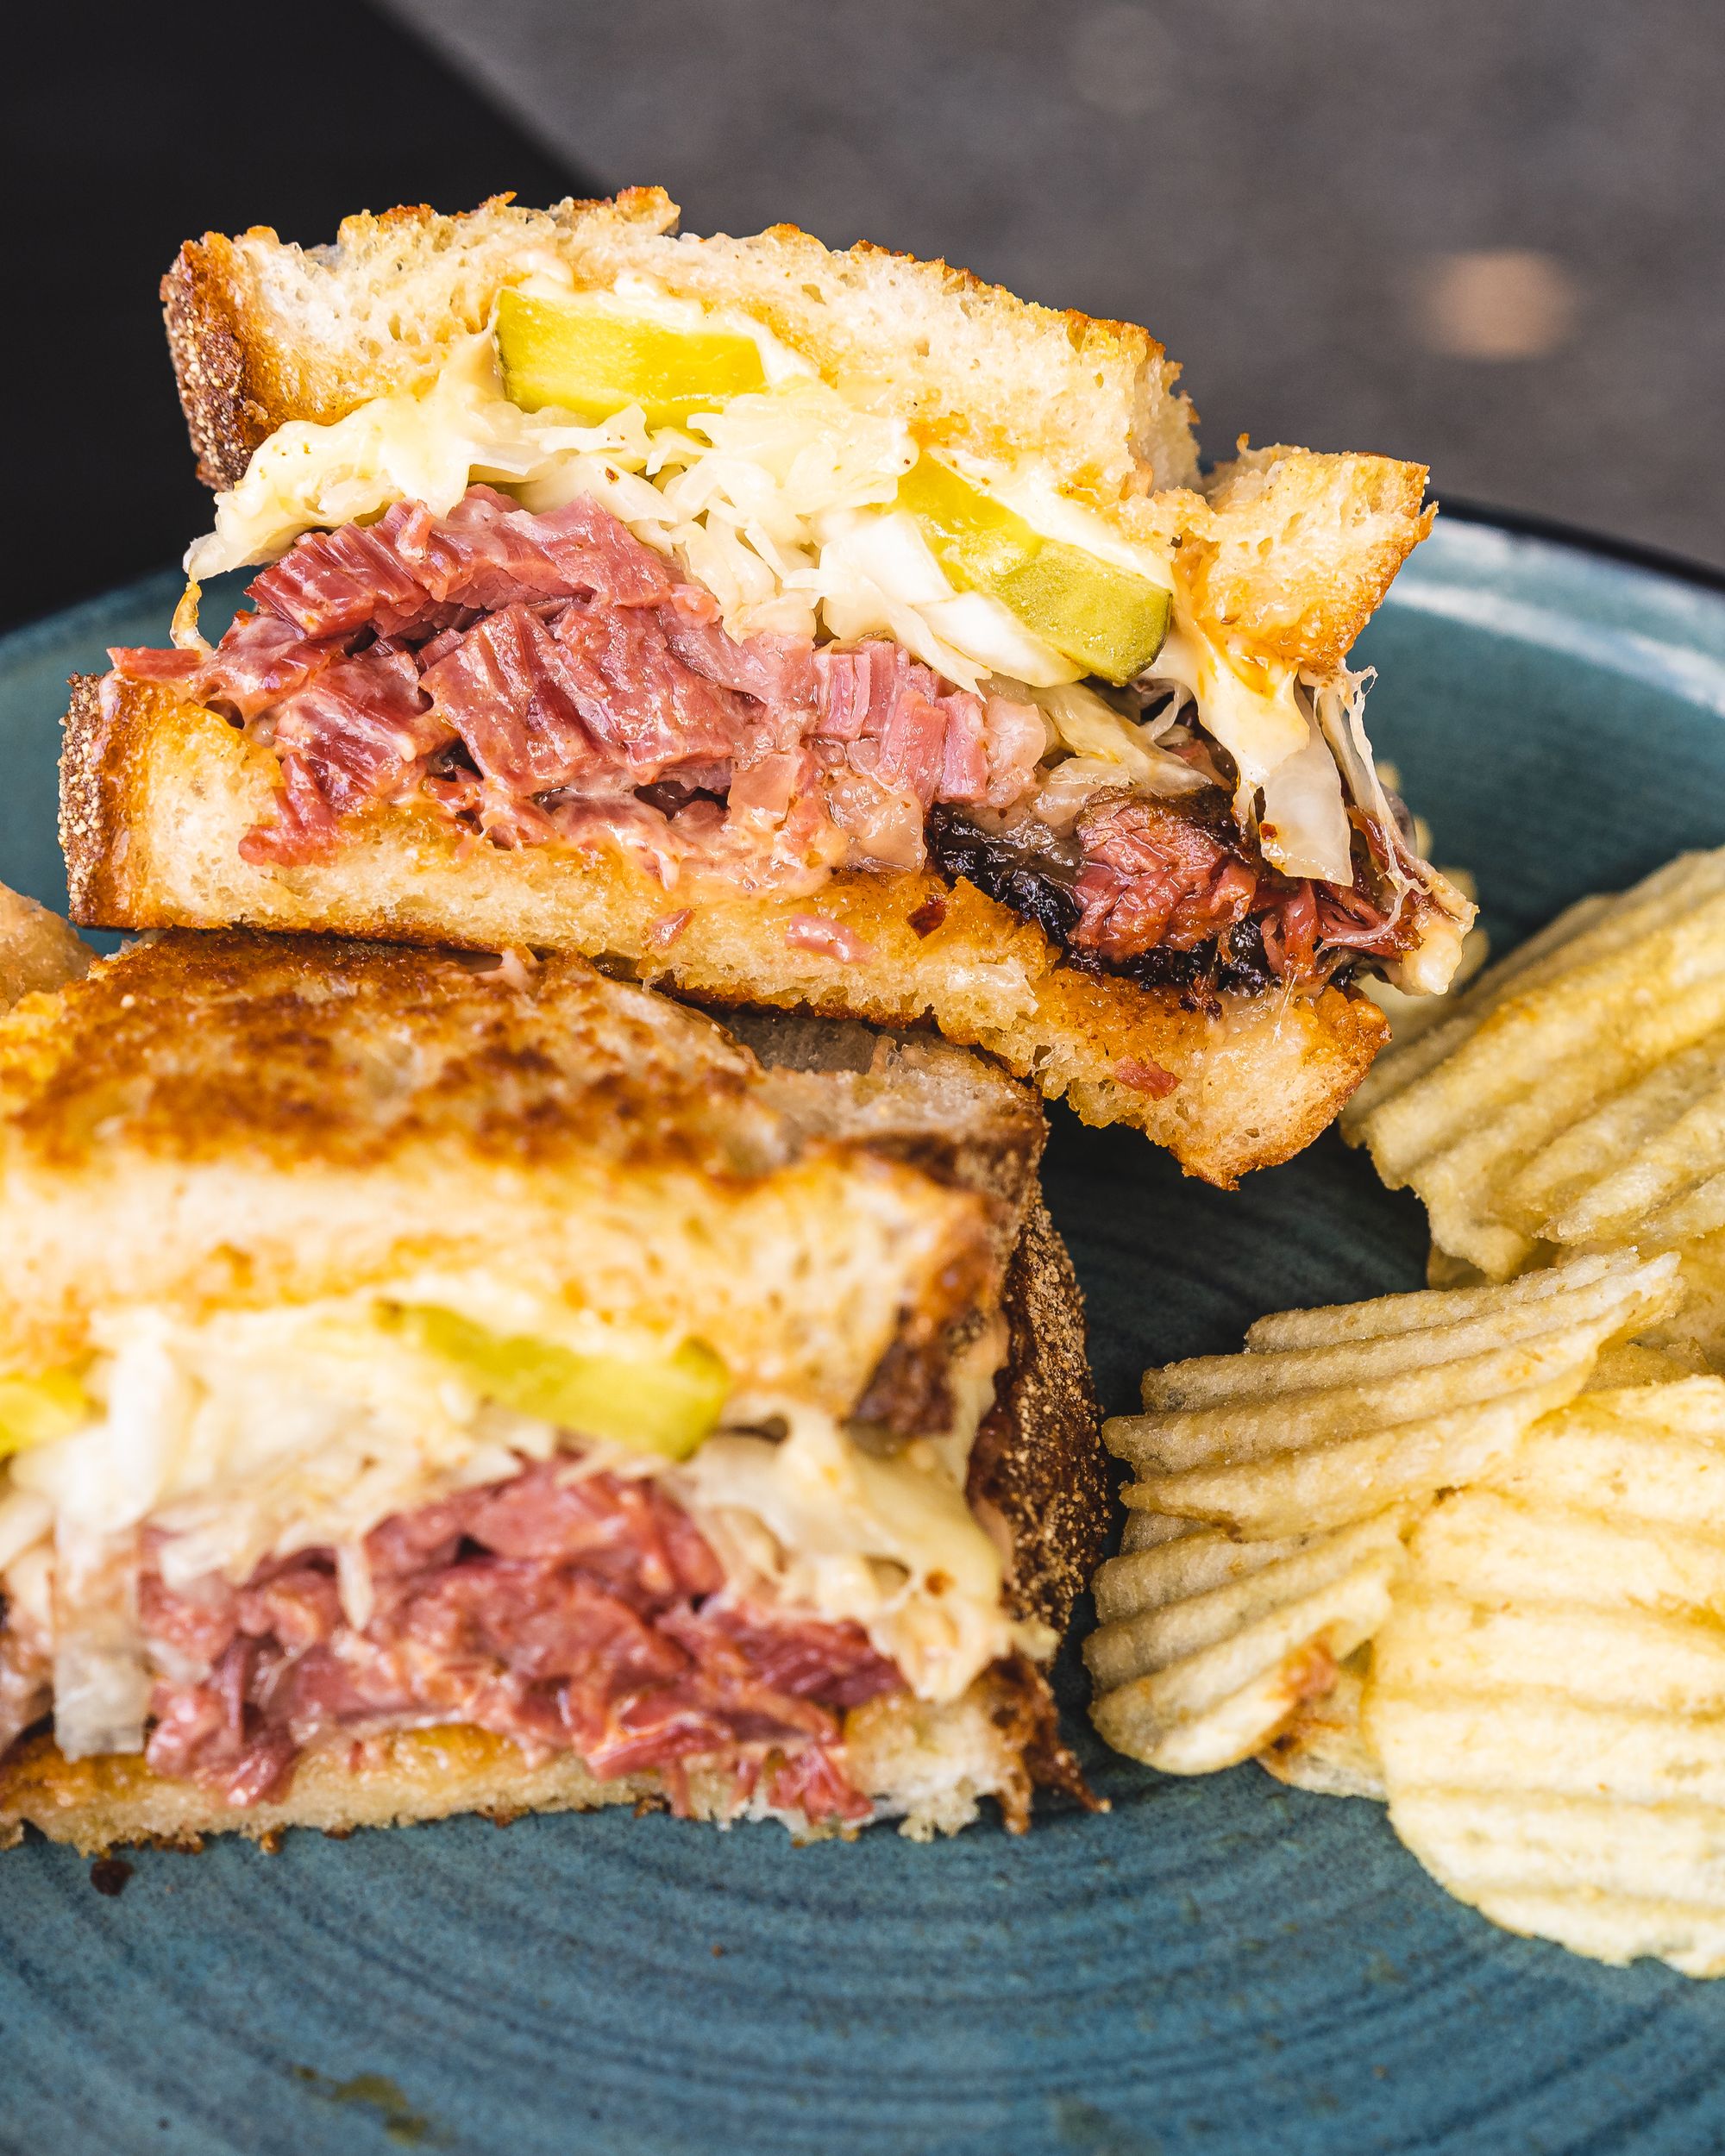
1624,1362
1332,1414
1593,930
1144,1530
1209,1645
1547,1696
1276,1487
1574,1099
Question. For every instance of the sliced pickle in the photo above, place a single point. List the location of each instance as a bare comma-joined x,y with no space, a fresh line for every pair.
592,362
1108,620
667,1404
37,1410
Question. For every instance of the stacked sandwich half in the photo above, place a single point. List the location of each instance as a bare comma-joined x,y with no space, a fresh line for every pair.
453,1386
435,1371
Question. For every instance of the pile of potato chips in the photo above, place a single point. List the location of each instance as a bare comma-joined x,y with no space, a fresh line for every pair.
1277,1488
1547,1697
1464,1551
1574,1098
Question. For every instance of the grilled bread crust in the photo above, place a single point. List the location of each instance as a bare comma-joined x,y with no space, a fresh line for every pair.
1038,1462
243,1120
1287,550
156,794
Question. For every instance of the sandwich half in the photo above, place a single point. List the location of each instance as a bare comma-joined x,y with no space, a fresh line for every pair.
436,1384
794,628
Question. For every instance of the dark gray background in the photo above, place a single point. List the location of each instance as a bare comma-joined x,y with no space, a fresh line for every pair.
1276,188
124,131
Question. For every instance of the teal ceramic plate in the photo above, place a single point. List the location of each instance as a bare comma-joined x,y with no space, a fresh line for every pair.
1215,1966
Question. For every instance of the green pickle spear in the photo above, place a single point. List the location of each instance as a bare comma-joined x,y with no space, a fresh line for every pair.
1106,620
667,1404
37,1410
592,362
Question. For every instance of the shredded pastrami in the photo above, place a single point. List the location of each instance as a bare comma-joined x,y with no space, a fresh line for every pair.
537,677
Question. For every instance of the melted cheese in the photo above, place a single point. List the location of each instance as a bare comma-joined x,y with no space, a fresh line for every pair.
1255,710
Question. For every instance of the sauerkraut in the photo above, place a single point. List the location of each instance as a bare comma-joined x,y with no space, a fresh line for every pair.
254,1434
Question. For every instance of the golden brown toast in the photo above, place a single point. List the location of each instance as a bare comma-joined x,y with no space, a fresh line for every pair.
240,1120
253,1059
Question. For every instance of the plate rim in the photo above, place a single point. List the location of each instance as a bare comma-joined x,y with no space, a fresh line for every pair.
1556,531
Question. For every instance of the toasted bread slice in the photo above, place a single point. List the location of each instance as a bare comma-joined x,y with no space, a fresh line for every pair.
157,793
1298,547
240,1120
262,333
1290,549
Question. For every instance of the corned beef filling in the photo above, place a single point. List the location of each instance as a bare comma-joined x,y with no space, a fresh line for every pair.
538,678
585,1615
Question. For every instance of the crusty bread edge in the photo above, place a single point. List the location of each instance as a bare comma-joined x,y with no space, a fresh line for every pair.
231,394
144,770
99,764
1038,1460
1252,503
225,416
